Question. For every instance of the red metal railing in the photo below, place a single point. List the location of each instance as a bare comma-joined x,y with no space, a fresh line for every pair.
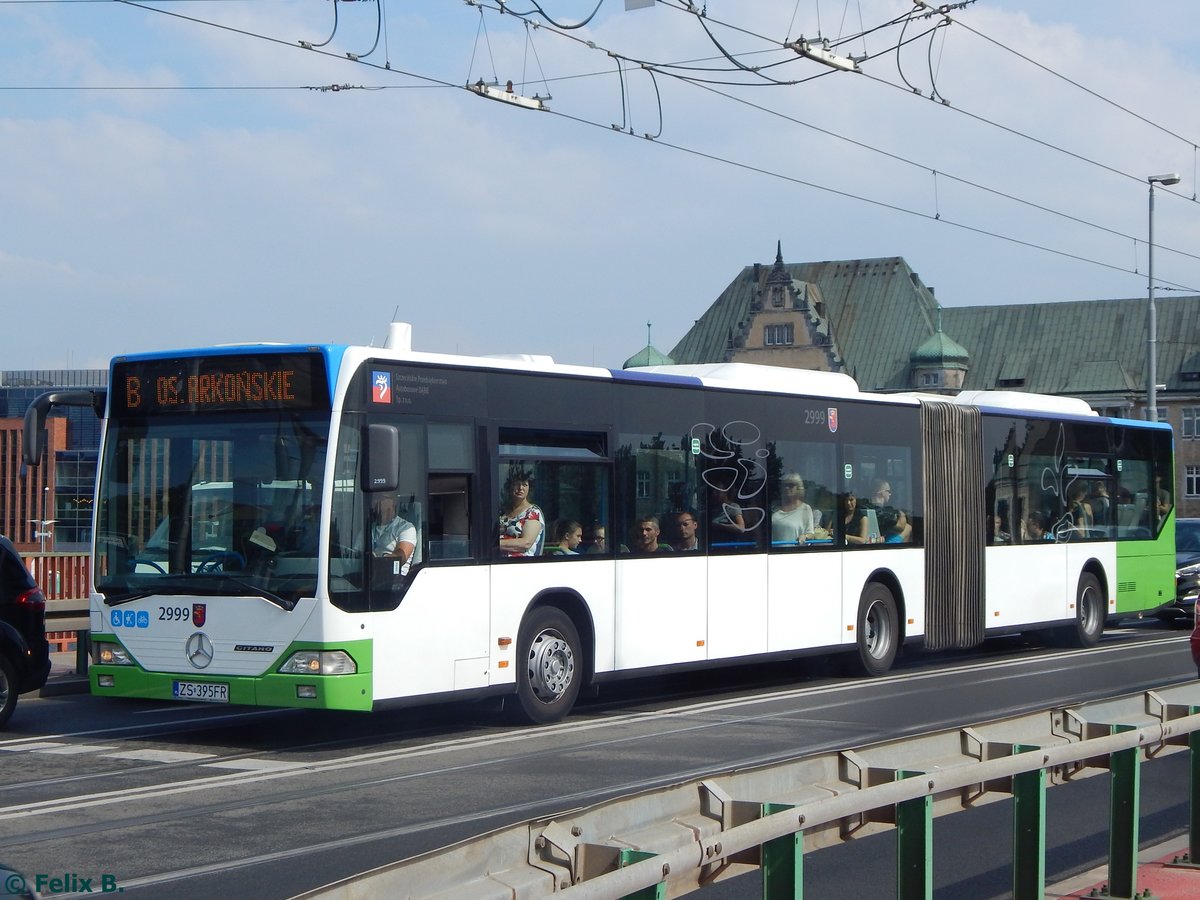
61,576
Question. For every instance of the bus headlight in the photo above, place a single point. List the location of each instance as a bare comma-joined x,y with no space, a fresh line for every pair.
319,662
106,654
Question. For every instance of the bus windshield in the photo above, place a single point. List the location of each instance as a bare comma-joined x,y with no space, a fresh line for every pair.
221,503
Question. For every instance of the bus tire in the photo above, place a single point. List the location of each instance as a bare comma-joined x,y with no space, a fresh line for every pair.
878,629
1090,612
8,689
549,666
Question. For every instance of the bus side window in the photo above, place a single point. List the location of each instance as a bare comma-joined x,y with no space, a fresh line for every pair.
449,520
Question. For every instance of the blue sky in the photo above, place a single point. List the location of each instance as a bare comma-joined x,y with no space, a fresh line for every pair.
171,183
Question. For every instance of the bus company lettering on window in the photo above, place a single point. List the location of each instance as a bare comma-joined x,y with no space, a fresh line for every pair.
205,390
403,387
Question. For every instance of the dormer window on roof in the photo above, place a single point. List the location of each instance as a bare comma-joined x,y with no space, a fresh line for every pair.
778,335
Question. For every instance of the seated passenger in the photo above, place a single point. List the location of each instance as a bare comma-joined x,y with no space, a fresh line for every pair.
1035,528
793,521
598,540
727,519
894,526
566,537
854,520
1101,504
1162,506
881,494
687,526
1081,509
391,535
645,537
521,531
999,535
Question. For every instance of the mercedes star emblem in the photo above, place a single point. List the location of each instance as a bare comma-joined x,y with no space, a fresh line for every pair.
199,650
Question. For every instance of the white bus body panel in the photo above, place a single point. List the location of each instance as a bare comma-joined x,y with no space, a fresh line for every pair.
661,613
1078,555
515,585
1039,594
1048,579
158,643
437,639
804,605
737,605
908,566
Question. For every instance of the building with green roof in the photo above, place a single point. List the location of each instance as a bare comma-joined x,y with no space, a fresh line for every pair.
875,320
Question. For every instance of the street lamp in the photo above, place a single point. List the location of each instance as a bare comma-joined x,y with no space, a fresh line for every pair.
1151,314
44,531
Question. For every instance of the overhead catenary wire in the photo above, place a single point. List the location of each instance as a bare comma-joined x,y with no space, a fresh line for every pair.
879,203
1087,90
482,29
904,18
378,32
934,93
927,167
571,27
664,69
530,45
648,65
439,82
332,33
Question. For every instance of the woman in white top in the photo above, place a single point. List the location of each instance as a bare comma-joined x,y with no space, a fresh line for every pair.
793,522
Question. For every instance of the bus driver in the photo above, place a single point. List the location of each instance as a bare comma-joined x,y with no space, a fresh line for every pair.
392,535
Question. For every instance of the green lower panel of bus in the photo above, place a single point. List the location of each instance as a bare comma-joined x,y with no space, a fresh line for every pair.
1145,575
305,691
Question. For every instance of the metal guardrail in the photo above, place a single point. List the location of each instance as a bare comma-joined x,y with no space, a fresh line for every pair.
673,841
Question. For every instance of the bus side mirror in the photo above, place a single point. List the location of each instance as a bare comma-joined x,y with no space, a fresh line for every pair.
382,460
33,438
33,434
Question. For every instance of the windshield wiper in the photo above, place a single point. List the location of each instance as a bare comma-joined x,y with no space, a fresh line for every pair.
202,586
118,599
281,602
165,585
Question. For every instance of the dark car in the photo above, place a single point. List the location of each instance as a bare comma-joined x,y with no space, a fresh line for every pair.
1187,570
24,653
1195,643
14,884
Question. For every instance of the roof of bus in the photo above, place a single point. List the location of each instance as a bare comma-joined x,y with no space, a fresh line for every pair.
730,376
332,352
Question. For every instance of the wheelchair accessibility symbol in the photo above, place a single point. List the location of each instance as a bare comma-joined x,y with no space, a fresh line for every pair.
128,618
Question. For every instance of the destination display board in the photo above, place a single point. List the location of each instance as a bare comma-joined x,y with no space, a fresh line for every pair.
264,381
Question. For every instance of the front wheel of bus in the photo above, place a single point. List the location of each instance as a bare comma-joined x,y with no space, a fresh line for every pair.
878,629
549,667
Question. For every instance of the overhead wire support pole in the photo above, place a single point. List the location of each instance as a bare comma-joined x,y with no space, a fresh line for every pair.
1151,312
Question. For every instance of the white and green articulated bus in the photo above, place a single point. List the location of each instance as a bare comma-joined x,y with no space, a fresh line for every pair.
682,517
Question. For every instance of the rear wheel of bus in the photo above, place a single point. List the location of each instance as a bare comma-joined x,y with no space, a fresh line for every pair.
878,629
1091,608
550,665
